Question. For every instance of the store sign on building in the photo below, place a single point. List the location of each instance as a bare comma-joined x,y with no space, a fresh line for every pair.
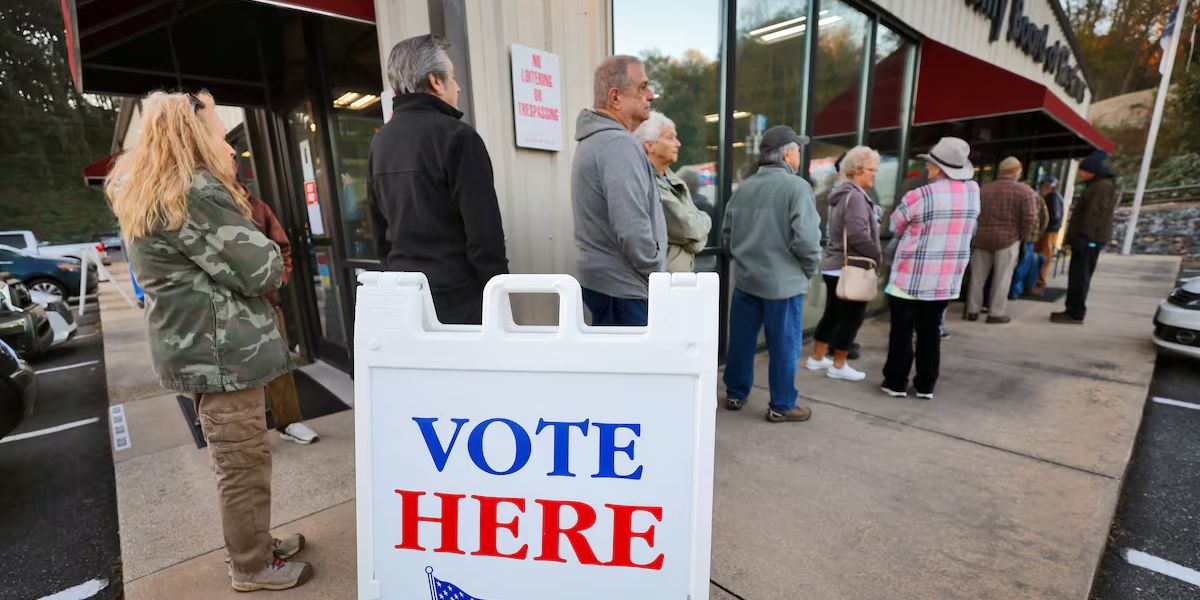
537,98
1034,41
315,223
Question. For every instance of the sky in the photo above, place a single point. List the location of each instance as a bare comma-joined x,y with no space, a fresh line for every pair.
644,24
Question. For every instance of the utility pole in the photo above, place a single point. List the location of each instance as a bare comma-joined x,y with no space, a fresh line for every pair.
1155,121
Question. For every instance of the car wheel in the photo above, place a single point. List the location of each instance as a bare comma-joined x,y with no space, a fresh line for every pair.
48,286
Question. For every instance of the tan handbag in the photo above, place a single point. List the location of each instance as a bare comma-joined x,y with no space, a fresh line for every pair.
857,284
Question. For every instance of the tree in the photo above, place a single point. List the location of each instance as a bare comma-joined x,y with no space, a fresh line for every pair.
50,130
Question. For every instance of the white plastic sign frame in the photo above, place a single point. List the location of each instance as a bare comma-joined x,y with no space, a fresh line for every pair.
507,462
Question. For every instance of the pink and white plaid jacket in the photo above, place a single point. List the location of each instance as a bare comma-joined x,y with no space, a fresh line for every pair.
934,225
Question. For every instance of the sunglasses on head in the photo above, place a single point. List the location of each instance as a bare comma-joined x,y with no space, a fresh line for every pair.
196,103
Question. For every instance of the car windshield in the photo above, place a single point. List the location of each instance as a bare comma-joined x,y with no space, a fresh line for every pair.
17,251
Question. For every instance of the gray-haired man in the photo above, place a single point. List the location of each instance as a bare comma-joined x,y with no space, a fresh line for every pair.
620,231
433,204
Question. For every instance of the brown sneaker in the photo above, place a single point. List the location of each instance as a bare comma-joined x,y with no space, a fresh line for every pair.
997,320
795,413
279,575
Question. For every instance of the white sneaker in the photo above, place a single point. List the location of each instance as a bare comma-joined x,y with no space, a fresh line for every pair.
817,365
846,372
299,433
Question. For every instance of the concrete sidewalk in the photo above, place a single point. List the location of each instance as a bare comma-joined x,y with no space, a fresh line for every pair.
1002,487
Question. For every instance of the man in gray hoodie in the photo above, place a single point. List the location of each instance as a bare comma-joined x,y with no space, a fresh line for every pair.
773,232
620,231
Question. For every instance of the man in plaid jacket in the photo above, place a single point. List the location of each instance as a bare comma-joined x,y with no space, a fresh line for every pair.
1007,215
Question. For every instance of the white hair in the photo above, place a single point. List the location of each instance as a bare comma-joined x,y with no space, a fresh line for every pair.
412,61
775,156
651,129
855,160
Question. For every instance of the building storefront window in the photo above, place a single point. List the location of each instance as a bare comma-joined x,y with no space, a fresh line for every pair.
894,63
679,43
771,69
838,81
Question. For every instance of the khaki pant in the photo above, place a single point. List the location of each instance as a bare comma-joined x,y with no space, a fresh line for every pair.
1045,247
1000,263
281,391
236,429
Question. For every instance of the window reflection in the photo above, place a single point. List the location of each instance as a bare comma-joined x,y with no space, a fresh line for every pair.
678,41
837,84
893,66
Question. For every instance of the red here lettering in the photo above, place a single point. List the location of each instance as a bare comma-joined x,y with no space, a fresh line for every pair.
623,535
489,526
410,521
552,529
537,61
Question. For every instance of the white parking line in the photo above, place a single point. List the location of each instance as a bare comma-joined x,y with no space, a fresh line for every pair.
49,430
1158,565
76,366
79,592
1176,403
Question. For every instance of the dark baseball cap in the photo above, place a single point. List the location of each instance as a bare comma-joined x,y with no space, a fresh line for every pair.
779,136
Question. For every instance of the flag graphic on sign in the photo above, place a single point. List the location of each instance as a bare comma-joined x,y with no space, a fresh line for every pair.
444,590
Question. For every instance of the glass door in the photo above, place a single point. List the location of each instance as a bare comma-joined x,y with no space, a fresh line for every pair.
312,176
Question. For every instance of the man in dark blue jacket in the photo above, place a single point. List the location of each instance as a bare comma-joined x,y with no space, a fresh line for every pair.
433,204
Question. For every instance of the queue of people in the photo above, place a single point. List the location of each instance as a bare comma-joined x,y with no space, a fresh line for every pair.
210,258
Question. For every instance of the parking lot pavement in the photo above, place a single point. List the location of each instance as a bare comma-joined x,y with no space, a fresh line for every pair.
58,509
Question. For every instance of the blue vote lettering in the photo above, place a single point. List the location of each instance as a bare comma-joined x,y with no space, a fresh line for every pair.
607,445
475,447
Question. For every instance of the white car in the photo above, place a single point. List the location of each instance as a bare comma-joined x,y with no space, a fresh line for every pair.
1177,322
24,239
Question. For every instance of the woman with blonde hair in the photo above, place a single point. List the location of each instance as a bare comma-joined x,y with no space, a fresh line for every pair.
853,235
205,268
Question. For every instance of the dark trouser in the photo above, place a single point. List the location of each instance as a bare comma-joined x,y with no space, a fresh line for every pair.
610,311
1079,276
841,319
909,316
460,306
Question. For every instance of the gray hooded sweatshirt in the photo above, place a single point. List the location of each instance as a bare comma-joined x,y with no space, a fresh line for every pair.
620,230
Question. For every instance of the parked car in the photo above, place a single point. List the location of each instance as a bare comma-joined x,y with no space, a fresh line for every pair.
23,239
62,319
27,329
58,276
1177,322
111,241
18,389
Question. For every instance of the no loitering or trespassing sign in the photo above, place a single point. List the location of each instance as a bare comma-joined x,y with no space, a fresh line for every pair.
509,462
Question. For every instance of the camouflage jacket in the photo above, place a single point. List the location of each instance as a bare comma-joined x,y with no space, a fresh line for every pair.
210,328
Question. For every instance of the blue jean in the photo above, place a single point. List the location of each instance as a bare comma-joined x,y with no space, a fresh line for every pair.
784,322
610,311
1028,268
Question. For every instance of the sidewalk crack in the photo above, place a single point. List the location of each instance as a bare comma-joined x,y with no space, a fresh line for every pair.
726,590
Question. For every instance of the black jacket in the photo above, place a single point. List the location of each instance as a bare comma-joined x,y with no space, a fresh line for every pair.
1092,215
1054,206
433,205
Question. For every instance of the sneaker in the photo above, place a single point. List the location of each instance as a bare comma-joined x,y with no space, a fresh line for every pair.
289,546
817,365
732,403
925,395
998,320
279,575
299,433
944,334
795,413
972,316
855,351
847,372
1064,317
894,393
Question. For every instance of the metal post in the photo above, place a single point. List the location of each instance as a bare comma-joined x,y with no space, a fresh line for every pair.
1155,121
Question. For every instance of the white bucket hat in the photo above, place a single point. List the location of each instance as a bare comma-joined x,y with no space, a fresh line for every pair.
952,156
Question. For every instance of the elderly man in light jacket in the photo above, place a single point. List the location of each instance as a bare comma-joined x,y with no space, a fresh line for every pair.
687,225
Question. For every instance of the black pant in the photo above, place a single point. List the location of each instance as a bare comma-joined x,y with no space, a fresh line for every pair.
1079,276
908,316
463,306
841,319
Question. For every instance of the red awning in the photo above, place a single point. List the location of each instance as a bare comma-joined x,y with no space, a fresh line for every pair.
95,172
358,10
955,86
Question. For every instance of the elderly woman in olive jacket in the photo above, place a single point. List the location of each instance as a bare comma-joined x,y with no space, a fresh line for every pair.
853,234
687,225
